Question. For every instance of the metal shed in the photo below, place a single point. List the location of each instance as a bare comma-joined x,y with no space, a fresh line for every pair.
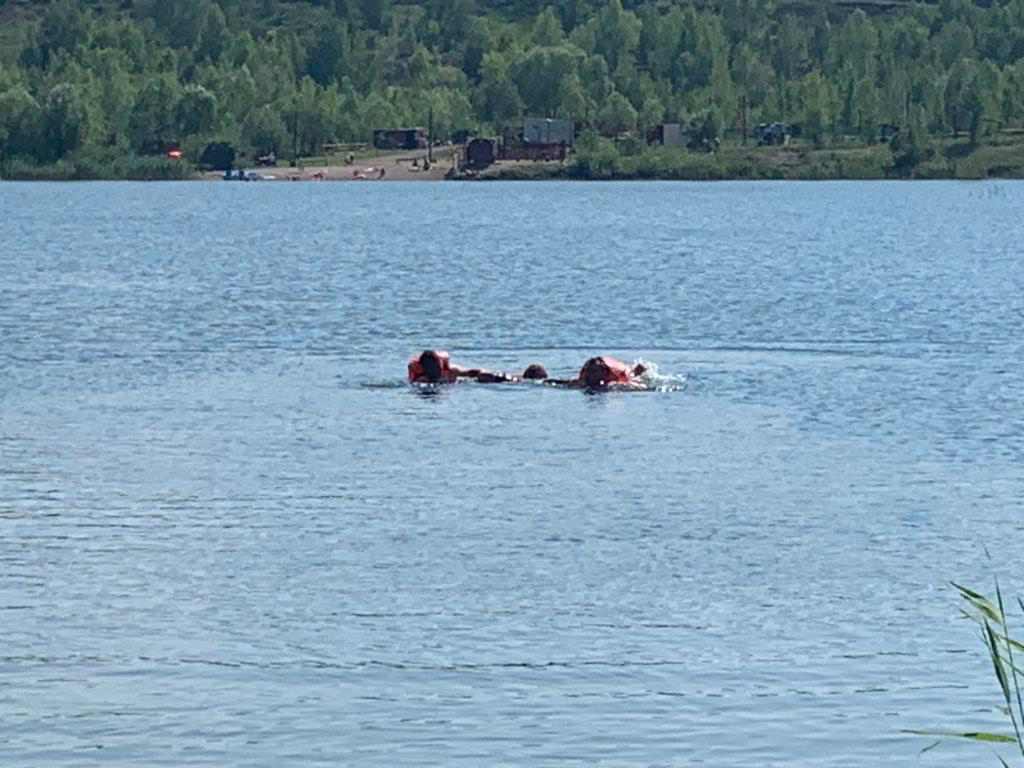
547,130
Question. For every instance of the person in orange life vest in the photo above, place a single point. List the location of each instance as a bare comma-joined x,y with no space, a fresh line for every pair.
606,372
434,366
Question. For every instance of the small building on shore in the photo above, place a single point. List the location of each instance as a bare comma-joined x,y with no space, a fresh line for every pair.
481,152
668,135
400,138
774,134
548,130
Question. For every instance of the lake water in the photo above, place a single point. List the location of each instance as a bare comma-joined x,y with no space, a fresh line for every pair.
231,535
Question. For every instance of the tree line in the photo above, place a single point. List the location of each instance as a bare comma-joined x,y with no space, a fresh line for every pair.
131,77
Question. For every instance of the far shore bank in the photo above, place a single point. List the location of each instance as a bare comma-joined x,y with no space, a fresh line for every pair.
947,160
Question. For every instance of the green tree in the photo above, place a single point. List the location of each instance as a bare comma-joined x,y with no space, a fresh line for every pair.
263,130
962,105
214,36
714,48
705,130
181,22
547,31
617,115
750,74
327,54
115,92
1012,98
479,41
153,117
596,80
595,157
910,147
954,42
19,123
312,112
618,34
453,18
661,36
538,73
196,111
652,114
789,47
499,103
376,113
985,92
816,103
64,122
63,28
375,12
572,100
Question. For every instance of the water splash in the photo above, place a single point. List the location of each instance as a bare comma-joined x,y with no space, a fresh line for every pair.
656,381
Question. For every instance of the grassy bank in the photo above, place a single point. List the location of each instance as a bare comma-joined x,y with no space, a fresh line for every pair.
945,158
1000,156
100,168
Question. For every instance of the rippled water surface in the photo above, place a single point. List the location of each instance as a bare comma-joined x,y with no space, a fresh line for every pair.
230,534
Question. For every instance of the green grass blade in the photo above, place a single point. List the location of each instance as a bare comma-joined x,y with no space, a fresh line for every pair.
1017,645
999,738
997,662
980,602
1013,671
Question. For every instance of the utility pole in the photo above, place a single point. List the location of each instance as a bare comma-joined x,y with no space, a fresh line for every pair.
743,117
295,135
430,136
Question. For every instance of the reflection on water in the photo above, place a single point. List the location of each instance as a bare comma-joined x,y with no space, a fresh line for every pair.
230,533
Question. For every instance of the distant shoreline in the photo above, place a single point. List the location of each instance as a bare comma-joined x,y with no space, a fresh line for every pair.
945,160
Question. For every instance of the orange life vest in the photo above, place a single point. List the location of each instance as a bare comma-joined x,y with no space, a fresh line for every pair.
417,375
617,371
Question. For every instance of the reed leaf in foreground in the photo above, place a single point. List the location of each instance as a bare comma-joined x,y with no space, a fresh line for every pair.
980,602
991,619
1000,738
1013,672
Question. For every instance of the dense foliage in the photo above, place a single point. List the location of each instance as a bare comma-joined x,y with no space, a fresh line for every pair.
127,78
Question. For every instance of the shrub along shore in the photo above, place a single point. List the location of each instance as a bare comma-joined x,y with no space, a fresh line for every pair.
945,159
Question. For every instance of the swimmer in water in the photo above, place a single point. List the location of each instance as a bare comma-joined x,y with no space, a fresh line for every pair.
604,373
434,366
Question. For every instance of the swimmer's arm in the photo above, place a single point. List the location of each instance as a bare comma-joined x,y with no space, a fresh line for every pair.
563,382
484,377
464,373
492,377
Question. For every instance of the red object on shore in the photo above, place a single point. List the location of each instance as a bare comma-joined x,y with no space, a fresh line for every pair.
175,153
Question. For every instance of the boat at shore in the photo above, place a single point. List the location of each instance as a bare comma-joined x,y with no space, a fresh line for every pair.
243,175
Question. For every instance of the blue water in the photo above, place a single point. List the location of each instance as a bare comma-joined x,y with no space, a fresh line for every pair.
230,534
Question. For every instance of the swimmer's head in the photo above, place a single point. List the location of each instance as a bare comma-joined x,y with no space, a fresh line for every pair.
595,373
535,371
433,364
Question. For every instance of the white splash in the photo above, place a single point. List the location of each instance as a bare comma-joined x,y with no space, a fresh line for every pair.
656,381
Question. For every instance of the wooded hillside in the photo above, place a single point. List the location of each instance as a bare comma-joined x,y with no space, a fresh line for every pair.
103,79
